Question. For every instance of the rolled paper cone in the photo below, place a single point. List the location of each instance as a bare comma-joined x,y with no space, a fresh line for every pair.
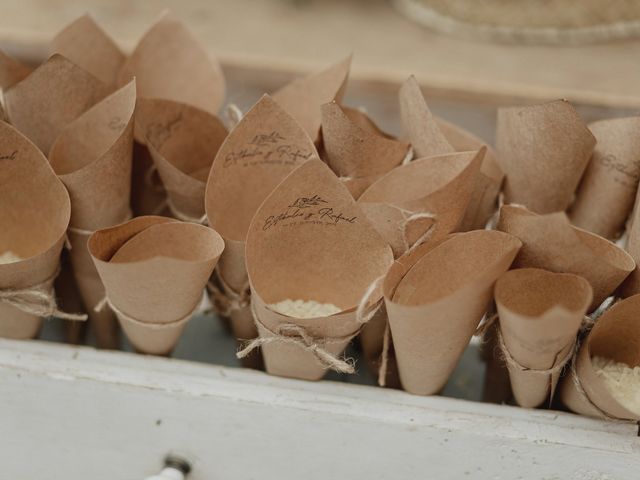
262,149
426,137
92,157
551,243
483,201
615,336
309,240
55,94
359,155
540,314
183,141
436,300
34,215
606,194
12,71
154,270
88,46
543,150
303,97
429,193
631,284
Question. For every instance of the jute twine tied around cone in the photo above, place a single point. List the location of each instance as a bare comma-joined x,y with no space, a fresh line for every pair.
225,299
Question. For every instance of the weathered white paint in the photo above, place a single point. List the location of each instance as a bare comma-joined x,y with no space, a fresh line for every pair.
69,413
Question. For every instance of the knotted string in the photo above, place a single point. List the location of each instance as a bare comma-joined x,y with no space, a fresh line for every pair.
412,217
227,300
106,302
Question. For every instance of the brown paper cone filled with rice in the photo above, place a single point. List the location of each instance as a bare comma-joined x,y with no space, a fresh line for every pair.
310,241
435,301
154,270
540,313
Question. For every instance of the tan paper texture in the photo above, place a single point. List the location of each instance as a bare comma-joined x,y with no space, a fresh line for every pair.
616,335
89,47
435,301
441,185
154,270
608,188
372,344
309,240
55,94
543,150
34,214
257,155
183,141
303,97
359,155
12,71
540,314
631,284
551,243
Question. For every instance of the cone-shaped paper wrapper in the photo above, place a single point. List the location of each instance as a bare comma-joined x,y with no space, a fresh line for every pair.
436,300
440,186
543,150
615,336
426,138
92,156
540,315
88,46
631,285
34,214
357,154
310,241
154,270
608,189
483,199
11,71
169,63
265,146
55,94
551,243
303,97
183,141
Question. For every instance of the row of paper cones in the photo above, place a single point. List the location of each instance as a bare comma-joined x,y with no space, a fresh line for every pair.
290,225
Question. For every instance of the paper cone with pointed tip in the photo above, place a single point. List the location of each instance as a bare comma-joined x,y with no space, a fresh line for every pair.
183,141
358,155
426,138
540,314
257,155
303,97
88,46
309,240
439,186
551,243
615,336
11,71
55,94
483,201
154,270
436,300
92,157
543,150
170,63
605,197
34,214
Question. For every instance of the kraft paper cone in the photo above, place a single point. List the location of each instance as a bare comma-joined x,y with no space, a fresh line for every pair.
170,63
483,201
154,270
426,138
183,141
263,148
303,97
616,336
12,71
309,240
55,94
540,314
436,300
34,214
631,285
400,204
88,46
357,154
608,189
543,150
550,242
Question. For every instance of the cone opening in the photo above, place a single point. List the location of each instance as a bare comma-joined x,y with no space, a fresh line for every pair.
616,335
606,250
